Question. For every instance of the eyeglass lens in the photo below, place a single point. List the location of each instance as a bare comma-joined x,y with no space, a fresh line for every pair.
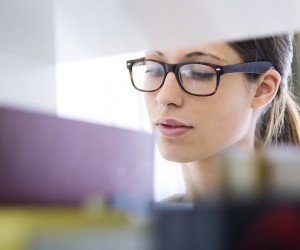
194,78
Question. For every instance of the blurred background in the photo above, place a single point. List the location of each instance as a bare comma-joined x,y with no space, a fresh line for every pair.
69,57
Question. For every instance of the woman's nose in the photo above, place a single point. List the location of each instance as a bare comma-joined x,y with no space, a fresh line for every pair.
170,93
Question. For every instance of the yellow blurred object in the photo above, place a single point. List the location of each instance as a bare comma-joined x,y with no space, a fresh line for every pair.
20,225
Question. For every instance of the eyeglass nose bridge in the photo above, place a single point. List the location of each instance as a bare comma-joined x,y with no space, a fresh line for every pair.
172,68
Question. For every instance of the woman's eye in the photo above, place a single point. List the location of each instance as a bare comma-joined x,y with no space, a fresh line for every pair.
202,76
155,72
198,76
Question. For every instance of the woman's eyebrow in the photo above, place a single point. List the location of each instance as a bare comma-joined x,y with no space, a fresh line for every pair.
187,56
199,53
155,52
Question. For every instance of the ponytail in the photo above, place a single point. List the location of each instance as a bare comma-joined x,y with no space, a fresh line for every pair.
280,124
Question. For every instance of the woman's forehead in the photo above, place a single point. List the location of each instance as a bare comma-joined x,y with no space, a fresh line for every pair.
221,52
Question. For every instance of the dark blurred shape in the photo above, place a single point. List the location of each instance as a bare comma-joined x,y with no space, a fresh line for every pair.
229,226
278,228
189,228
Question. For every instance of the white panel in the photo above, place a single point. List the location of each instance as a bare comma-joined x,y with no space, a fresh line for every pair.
92,28
27,54
26,29
27,83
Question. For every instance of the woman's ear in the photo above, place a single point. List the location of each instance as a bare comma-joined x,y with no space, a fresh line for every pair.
268,84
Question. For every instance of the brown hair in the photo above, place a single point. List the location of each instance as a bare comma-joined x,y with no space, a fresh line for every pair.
279,123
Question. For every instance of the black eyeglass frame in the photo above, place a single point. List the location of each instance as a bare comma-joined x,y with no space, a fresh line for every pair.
257,68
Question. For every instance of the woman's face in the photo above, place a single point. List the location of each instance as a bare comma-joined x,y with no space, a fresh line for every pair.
193,128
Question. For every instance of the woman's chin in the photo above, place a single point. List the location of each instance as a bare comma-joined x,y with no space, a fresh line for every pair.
176,157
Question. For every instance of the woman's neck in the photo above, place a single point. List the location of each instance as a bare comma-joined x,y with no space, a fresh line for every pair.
202,180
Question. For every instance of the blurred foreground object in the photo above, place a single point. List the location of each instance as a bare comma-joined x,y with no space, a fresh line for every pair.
62,228
74,194
272,174
230,226
259,209
45,159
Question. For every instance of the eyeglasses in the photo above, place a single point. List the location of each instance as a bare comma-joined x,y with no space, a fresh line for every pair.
195,78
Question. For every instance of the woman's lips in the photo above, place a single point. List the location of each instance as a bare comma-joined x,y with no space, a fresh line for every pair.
172,128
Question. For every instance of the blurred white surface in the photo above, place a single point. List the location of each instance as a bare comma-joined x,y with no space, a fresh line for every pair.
88,28
38,34
27,54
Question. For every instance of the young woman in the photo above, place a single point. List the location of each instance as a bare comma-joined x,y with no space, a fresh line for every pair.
205,99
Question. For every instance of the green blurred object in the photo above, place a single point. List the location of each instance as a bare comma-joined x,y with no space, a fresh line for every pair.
21,226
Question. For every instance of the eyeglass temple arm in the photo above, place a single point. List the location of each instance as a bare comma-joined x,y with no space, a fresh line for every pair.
250,67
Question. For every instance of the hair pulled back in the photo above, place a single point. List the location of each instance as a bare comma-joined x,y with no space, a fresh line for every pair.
279,123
